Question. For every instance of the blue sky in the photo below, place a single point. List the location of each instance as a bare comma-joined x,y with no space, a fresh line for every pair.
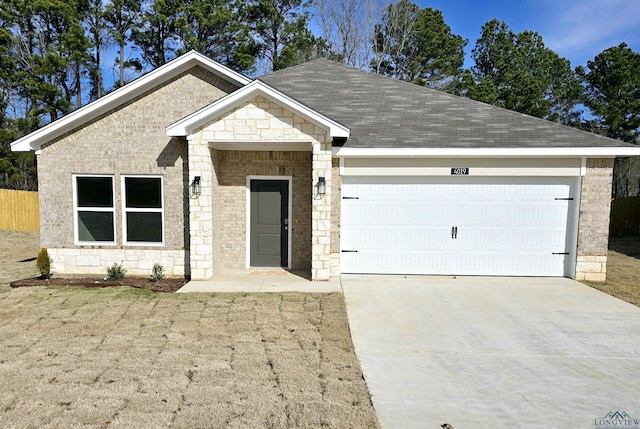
577,30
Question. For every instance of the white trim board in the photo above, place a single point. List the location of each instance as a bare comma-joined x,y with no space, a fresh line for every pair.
533,152
76,209
573,227
557,166
126,210
294,146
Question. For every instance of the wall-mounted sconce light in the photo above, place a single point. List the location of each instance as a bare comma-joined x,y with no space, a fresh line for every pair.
195,187
322,186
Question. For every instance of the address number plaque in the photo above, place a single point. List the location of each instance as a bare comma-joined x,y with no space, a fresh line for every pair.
460,171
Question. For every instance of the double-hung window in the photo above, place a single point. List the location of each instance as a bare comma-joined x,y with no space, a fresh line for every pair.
94,209
143,212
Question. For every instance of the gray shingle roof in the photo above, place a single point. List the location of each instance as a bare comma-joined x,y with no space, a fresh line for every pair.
387,113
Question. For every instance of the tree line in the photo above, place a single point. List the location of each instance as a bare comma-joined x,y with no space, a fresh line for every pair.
57,55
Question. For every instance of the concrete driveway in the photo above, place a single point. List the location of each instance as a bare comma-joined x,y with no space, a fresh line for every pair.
494,352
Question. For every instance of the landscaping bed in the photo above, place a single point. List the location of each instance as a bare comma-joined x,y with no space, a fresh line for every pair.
164,285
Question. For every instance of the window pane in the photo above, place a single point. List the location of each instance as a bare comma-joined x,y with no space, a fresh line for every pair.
144,227
95,226
95,191
143,192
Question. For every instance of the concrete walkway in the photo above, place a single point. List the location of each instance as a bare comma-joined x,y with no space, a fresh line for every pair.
493,352
262,281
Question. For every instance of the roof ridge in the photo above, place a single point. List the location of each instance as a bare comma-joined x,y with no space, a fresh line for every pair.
315,60
414,86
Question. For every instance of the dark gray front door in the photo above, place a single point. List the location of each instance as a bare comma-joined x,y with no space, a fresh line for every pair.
269,223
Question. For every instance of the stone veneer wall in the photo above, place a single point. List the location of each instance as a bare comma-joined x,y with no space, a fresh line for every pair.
593,229
128,140
138,261
336,202
257,120
321,211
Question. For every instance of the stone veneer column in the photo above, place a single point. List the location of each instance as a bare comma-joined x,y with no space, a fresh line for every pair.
321,214
201,211
593,229
336,199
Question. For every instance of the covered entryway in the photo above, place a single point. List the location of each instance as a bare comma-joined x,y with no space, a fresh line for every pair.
269,223
259,133
457,225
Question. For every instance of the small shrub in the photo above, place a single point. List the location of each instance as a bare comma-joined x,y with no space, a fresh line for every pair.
116,272
43,262
157,273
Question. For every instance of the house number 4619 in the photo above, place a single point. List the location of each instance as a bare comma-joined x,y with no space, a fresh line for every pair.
460,171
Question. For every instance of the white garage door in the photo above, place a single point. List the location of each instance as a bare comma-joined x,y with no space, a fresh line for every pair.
458,225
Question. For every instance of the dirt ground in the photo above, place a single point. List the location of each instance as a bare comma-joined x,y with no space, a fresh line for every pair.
124,357
623,269
18,251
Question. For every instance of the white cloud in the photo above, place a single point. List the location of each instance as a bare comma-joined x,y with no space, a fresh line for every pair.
578,29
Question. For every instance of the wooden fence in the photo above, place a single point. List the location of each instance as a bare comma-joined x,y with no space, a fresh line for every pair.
625,217
19,210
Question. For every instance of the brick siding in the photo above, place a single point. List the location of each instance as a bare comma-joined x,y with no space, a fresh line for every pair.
593,229
128,140
229,202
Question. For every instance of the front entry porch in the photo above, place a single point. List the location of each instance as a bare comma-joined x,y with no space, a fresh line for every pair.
256,143
259,205
261,210
241,281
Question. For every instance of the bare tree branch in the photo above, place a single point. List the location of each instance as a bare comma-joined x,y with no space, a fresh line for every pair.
392,33
347,26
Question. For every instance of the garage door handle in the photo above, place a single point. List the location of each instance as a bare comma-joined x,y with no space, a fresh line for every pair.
454,232
349,251
560,253
564,199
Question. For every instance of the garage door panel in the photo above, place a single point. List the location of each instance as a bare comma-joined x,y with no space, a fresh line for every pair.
419,238
504,226
399,262
516,236
517,264
531,239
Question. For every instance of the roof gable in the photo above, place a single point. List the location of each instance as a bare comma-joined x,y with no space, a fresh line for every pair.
188,125
36,139
387,114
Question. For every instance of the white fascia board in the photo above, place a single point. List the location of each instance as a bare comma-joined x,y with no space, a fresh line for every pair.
555,152
120,96
187,125
223,71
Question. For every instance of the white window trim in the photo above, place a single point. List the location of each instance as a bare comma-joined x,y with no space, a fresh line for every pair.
76,209
126,210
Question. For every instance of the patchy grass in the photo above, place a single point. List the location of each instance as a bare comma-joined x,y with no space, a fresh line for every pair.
18,251
124,357
623,270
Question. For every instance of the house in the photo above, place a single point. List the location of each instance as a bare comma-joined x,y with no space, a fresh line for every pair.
321,168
